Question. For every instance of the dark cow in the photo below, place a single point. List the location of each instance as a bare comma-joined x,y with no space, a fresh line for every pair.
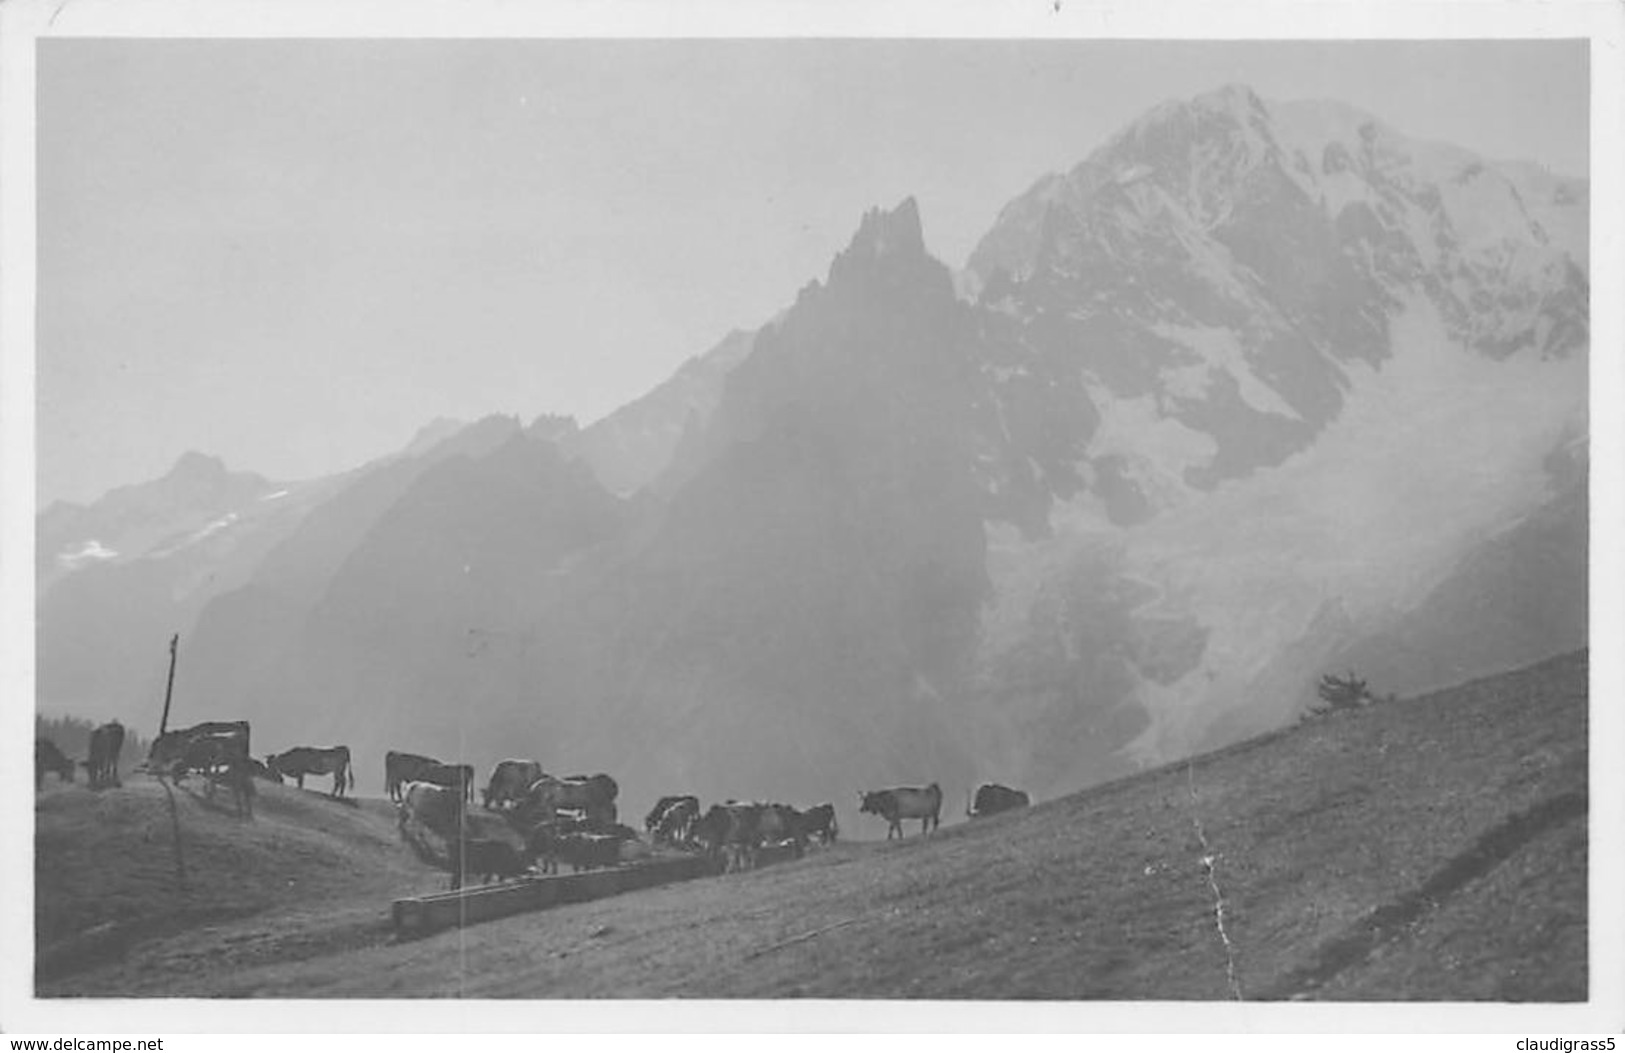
236,774
710,831
588,851
172,747
904,802
485,858
780,823
582,843
731,832
991,799
819,822
204,756
676,821
308,760
593,796
458,778
542,846
402,768
218,760
585,825
510,779
106,742
47,758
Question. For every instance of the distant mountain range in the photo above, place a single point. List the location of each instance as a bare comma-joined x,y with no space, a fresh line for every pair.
1254,391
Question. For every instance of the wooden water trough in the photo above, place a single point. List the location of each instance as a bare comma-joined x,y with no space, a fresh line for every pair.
422,915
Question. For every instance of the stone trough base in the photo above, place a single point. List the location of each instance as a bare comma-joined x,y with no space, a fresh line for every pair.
422,915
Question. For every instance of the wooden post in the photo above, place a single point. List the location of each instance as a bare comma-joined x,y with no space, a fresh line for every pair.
169,689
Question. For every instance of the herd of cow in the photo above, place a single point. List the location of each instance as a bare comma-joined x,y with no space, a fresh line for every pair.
101,767
216,750
546,819
549,820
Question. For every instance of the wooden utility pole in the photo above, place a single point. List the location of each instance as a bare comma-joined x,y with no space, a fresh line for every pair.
174,643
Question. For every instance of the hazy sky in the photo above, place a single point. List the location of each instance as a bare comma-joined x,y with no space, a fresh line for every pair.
294,254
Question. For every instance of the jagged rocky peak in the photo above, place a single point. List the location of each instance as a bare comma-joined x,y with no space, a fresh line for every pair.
887,251
882,233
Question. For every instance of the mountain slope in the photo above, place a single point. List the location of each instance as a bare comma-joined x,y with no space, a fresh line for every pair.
818,568
104,620
360,629
190,502
1429,849
631,447
1254,390
1321,364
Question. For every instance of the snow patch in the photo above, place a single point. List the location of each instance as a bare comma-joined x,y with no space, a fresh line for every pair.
92,551
1438,449
213,528
1219,350
1157,448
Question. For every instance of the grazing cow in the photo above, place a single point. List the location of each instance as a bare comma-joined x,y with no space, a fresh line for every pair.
308,760
585,825
205,755
593,796
542,847
991,799
731,830
778,823
106,742
819,822
47,758
588,851
172,747
676,821
582,843
652,821
485,858
509,781
904,802
435,808
217,759
237,774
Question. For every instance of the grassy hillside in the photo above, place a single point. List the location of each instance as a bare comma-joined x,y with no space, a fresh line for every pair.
107,876
1433,848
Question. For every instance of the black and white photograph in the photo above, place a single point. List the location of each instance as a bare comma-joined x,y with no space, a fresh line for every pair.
1035,515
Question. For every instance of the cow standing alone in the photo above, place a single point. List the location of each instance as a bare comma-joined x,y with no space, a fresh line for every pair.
106,742
904,802
992,798
308,760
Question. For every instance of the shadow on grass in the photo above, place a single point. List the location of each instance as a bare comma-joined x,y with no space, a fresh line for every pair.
1492,847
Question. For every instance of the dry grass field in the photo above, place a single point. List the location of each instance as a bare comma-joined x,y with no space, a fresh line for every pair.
1432,848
